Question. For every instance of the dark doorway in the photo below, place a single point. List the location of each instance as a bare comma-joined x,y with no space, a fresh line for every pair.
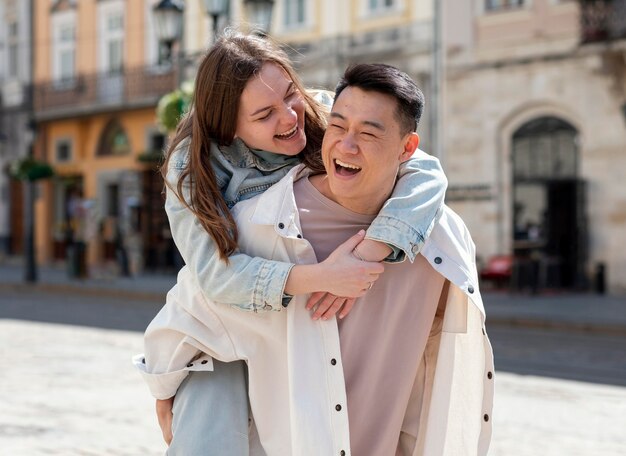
549,209
160,252
563,230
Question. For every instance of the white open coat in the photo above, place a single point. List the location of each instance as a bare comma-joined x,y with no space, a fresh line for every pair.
297,396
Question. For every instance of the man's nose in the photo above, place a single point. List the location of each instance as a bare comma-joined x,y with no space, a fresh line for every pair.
347,144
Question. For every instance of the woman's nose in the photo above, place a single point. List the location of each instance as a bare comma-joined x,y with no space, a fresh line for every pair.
288,114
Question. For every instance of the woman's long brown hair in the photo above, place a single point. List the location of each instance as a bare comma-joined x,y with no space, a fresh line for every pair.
222,75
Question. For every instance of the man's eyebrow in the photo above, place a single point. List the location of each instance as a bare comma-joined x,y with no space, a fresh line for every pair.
258,111
371,123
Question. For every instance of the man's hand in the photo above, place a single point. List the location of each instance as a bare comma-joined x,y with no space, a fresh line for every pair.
164,415
327,305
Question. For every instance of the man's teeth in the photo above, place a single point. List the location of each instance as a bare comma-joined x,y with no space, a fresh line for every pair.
289,133
346,165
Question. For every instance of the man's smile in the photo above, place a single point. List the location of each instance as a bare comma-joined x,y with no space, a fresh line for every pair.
346,169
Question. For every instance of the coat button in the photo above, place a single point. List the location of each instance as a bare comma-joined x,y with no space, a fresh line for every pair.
414,248
281,225
143,361
338,407
438,260
342,453
204,361
299,236
333,361
489,375
470,289
190,365
486,417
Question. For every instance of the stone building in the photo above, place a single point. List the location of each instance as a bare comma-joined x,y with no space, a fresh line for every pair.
534,135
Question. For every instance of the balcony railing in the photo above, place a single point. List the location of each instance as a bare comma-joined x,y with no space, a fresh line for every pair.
88,93
602,20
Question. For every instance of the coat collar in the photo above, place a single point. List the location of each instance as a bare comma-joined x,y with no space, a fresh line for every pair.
277,203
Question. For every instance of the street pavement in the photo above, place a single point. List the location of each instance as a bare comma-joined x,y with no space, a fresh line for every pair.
67,386
71,390
604,314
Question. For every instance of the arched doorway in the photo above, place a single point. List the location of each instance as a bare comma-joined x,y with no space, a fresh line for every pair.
549,213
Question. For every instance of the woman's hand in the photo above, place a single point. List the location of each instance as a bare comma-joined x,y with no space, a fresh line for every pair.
369,250
326,305
336,281
347,275
164,415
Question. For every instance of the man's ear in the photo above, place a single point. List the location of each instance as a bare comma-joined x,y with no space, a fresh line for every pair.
411,143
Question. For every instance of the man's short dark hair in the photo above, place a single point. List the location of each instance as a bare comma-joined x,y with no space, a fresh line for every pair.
378,77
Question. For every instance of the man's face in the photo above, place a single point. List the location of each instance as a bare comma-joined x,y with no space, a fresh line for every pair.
362,150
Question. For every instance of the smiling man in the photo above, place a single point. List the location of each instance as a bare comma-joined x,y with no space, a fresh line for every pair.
410,370
389,341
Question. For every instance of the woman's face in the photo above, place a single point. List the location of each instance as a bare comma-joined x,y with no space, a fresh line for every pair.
271,113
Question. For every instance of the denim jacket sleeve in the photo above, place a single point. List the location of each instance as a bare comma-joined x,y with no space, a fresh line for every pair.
253,284
409,215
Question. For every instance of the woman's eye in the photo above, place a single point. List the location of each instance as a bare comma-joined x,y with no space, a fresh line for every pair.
336,126
367,133
266,116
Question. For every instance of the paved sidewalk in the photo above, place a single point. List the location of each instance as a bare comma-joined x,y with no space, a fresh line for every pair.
581,312
56,279
70,391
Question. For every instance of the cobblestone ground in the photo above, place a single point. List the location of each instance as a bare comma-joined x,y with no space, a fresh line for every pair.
71,390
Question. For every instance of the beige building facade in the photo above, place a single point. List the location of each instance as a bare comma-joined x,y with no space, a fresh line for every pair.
535,136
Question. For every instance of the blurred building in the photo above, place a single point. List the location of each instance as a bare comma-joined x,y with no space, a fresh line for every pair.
97,79
530,118
99,71
15,115
535,137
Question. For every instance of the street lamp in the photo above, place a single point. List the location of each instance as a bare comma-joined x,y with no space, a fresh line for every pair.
259,12
168,18
215,9
30,265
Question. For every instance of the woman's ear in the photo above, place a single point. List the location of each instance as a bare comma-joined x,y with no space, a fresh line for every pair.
411,143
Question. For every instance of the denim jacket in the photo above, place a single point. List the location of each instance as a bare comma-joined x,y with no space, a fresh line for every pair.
258,284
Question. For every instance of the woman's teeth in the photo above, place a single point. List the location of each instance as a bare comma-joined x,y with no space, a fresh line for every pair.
288,134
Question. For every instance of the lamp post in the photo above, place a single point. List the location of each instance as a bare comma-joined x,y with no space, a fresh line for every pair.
30,266
259,12
168,18
215,9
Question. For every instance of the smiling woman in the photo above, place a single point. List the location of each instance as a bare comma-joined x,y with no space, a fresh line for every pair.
272,113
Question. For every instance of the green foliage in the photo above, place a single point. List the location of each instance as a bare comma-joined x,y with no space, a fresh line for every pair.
173,106
30,169
151,156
